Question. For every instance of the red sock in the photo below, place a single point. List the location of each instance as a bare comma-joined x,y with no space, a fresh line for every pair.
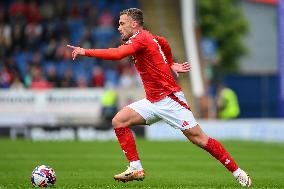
127,143
216,149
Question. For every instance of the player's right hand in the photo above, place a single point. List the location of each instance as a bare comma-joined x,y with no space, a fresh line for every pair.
76,51
180,68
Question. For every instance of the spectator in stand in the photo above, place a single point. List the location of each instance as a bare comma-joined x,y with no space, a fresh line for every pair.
75,10
52,76
27,78
17,83
81,82
90,14
106,19
8,72
36,59
32,31
98,78
10,64
18,38
33,35
18,9
68,79
38,81
47,10
50,50
6,78
61,52
5,34
87,40
61,10
33,12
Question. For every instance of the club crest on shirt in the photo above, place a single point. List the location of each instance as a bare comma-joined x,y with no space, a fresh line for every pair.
128,42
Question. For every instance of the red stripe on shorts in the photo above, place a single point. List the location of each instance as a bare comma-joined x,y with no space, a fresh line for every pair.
175,98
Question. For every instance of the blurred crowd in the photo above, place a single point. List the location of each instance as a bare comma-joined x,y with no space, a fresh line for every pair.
34,35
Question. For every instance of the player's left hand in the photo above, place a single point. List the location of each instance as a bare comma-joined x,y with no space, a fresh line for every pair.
180,68
76,51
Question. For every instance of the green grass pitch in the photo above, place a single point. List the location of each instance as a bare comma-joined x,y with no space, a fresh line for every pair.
168,165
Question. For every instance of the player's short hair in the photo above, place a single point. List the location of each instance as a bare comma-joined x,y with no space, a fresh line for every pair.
135,13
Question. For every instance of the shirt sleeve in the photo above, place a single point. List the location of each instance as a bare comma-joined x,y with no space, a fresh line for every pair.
166,49
133,45
111,53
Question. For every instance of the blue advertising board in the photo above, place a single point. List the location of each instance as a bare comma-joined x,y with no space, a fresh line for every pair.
281,54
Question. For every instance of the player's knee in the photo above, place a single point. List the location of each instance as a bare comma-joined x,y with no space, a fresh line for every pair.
196,136
199,140
195,140
116,123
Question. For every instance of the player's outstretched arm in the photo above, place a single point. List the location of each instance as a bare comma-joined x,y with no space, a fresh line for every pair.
180,68
106,54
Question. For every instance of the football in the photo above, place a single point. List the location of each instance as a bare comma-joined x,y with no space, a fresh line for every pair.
43,176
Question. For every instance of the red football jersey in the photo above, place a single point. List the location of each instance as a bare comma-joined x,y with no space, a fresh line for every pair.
152,65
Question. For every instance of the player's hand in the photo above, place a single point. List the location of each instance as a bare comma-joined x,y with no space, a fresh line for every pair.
76,51
180,68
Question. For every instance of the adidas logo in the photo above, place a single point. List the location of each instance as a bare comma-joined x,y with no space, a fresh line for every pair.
185,123
227,162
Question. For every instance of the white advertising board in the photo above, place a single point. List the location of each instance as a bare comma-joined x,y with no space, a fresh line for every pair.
57,106
244,129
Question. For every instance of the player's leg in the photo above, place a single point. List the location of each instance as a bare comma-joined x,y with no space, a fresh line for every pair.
215,148
137,113
174,110
199,138
121,122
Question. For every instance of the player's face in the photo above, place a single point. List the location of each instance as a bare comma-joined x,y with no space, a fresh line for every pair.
126,25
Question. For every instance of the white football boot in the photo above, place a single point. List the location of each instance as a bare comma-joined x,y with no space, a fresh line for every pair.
244,179
130,174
